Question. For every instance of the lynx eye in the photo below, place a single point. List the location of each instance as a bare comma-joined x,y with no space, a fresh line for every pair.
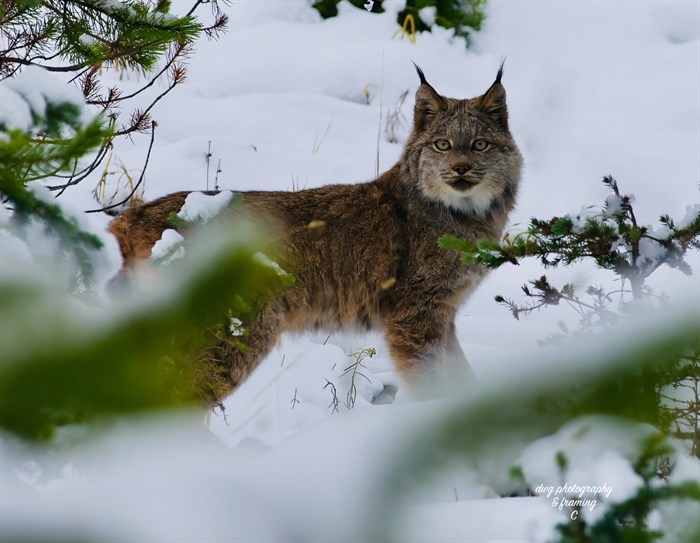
442,145
480,145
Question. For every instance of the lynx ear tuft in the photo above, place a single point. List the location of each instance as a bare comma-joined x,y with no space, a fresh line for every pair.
428,101
499,75
493,101
421,75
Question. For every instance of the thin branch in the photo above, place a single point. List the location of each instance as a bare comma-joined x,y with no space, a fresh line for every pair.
25,62
101,153
174,83
194,7
180,50
141,177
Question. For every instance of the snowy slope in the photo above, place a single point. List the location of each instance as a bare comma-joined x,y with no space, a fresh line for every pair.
290,101
593,89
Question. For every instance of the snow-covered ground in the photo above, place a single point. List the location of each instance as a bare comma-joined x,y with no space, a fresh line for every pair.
287,101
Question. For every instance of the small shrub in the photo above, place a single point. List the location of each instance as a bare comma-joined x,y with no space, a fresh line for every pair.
462,16
615,239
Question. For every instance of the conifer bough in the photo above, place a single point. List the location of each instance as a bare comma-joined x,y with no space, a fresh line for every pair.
79,38
84,37
86,33
612,237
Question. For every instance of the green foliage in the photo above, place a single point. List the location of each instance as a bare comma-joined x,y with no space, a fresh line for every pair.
61,366
55,142
627,520
87,38
615,240
329,8
500,420
63,362
662,389
93,32
25,158
486,252
612,238
462,16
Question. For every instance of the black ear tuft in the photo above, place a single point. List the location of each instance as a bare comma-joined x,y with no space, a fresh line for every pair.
421,75
428,102
499,75
493,101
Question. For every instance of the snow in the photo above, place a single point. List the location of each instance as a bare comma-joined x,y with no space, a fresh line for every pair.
428,15
691,213
169,245
289,101
263,259
651,251
15,112
508,519
86,39
236,327
201,208
613,204
32,92
599,454
579,220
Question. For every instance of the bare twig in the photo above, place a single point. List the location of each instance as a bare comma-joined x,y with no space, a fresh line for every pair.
218,171
221,408
207,158
335,402
138,183
354,371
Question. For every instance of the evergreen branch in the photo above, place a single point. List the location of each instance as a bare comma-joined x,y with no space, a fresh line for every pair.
611,239
137,361
91,33
147,33
178,77
76,177
217,27
547,295
25,62
180,50
124,15
56,55
9,15
22,159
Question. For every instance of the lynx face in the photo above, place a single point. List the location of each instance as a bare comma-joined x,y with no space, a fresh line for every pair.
462,151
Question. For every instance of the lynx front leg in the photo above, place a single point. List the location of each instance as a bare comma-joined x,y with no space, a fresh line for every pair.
427,354
457,368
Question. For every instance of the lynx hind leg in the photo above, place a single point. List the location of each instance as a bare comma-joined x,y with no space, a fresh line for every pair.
241,349
428,357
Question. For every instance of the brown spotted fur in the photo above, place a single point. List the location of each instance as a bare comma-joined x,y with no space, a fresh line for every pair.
370,258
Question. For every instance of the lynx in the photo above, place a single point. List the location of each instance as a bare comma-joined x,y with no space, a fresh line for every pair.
366,255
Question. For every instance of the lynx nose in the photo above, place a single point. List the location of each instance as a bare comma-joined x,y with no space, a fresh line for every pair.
461,169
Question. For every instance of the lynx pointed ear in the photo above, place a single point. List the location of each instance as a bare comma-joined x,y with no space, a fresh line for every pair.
428,101
493,101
